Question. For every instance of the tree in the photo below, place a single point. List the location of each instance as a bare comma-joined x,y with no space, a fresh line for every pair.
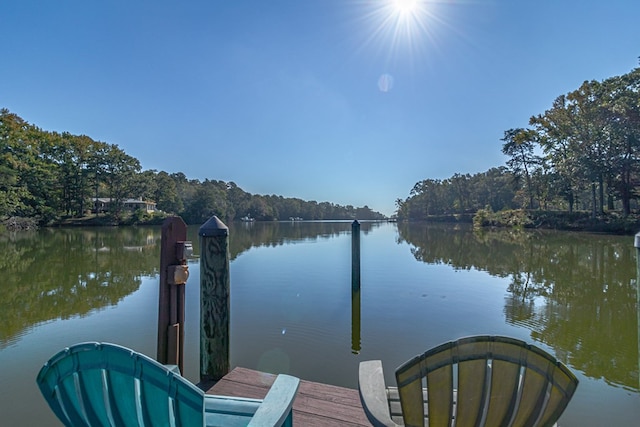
554,129
120,171
621,102
166,194
519,145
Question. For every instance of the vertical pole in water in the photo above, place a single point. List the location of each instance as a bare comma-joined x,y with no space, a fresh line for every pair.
173,275
214,300
637,246
355,287
355,255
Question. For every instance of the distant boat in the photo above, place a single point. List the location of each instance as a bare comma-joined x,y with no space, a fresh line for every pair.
247,219
295,218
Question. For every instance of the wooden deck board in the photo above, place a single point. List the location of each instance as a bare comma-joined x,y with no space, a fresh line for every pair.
316,404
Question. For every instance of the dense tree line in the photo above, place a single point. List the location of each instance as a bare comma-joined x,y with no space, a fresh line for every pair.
582,153
50,175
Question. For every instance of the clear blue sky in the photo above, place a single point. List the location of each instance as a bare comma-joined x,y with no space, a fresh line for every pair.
345,101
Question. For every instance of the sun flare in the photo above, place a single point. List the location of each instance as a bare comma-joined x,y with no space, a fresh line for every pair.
403,28
405,7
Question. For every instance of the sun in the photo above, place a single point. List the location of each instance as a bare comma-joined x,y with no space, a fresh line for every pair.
401,28
405,7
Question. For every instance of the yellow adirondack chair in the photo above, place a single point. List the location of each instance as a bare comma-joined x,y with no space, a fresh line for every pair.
475,381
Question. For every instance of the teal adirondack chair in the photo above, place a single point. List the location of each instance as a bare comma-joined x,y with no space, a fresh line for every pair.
101,384
474,381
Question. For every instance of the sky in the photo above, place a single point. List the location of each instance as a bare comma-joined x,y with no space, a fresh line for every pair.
345,101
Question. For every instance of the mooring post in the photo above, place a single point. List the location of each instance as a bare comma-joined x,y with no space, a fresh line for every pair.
174,251
214,300
355,255
355,287
637,246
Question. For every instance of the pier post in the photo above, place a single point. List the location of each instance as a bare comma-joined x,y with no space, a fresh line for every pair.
174,272
214,300
355,255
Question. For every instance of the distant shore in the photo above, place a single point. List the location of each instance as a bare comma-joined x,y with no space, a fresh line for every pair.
610,223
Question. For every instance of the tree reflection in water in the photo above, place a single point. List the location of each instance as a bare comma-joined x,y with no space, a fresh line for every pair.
57,274
575,292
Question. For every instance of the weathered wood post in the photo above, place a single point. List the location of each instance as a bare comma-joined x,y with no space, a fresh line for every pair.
355,255
174,272
214,300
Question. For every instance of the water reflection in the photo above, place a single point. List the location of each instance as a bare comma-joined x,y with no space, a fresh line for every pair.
575,292
60,273
57,274
244,236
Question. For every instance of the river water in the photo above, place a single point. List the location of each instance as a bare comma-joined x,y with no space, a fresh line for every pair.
293,310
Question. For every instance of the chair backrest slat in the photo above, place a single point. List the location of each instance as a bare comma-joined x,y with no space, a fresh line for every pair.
411,393
102,384
498,381
473,380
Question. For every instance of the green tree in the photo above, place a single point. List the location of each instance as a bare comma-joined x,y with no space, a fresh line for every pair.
166,194
519,145
120,171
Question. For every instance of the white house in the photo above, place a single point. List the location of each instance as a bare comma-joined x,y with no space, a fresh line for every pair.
103,204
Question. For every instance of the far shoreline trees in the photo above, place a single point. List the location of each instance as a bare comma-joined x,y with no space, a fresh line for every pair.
50,176
583,153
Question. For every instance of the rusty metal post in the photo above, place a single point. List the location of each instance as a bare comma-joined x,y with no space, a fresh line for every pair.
173,275
214,300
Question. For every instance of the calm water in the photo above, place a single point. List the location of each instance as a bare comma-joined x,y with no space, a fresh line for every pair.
293,310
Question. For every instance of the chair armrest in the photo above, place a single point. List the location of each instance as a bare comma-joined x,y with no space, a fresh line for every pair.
373,393
173,368
276,408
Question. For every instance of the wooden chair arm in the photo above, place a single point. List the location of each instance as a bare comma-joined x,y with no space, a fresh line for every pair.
373,393
276,408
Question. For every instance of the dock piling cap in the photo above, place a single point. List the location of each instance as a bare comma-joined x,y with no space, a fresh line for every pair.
213,227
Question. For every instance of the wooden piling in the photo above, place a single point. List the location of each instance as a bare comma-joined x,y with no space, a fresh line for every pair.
214,300
170,349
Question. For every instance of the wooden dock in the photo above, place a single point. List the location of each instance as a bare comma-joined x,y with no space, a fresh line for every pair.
316,404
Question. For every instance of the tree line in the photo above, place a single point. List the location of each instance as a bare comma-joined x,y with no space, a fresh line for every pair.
50,176
581,154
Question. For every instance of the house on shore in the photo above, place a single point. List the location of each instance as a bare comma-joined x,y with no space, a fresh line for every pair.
105,204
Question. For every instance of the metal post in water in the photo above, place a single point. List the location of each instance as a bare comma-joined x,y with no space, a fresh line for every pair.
355,287
355,255
214,300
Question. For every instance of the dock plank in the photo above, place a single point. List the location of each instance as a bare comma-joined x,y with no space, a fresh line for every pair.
316,404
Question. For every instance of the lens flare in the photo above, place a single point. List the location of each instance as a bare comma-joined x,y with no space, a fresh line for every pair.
385,83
